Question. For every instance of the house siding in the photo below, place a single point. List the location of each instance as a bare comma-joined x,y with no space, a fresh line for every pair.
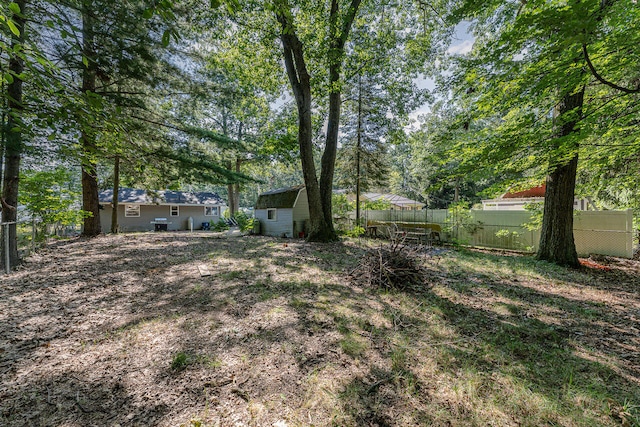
301,213
283,225
149,213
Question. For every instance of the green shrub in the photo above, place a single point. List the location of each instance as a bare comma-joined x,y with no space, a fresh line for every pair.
220,226
244,222
180,361
356,231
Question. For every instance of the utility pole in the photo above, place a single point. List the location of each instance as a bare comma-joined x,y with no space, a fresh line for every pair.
116,191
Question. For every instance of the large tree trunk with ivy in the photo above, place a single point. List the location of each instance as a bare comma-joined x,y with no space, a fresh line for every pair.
90,201
556,240
13,139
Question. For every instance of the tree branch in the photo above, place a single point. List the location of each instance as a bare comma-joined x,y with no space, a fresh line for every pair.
426,4
348,21
6,206
602,79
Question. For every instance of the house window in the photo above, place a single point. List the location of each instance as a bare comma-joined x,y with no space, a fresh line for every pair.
175,210
131,210
211,211
271,214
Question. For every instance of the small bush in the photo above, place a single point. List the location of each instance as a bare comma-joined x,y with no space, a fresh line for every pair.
244,222
356,231
180,361
220,226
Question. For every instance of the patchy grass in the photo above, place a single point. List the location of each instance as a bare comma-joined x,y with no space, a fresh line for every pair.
123,330
180,361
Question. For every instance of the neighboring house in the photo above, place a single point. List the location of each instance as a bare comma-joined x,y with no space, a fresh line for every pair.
516,201
283,212
141,210
397,202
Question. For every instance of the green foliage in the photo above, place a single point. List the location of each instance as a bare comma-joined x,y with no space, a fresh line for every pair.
356,231
459,218
375,205
511,239
244,222
49,196
341,205
528,56
221,226
433,163
536,209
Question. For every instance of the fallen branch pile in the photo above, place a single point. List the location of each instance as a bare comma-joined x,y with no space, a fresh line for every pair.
392,266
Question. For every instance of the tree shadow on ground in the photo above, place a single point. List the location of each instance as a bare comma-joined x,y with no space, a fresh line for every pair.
80,399
532,357
534,353
278,329
99,303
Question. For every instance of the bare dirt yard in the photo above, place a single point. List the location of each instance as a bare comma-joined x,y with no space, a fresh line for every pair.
125,330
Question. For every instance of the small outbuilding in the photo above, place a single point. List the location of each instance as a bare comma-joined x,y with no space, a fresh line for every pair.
142,210
283,212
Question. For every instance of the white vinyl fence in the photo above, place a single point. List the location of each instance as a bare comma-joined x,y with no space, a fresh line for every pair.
595,232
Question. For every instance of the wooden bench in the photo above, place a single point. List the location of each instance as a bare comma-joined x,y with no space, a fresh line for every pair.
420,232
417,235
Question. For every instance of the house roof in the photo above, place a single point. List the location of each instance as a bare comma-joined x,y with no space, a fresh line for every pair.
130,195
280,198
391,198
531,192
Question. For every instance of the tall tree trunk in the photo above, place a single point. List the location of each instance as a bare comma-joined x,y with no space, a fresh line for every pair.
230,190
90,201
236,188
299,78
236,185
339,30
328,160
116,190
556,240
319,195
358,150
230,186
456,190
13,148
3,132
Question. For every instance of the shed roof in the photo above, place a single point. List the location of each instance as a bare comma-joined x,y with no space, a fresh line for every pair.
394,199
130,195
531,192
281,198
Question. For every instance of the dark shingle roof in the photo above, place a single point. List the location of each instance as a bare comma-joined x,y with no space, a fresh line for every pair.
281,198
129,195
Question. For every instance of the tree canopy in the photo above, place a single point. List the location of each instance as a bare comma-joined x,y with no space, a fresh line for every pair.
246,96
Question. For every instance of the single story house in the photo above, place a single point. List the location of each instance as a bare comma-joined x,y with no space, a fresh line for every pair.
283,212
517,200
397,202
142,210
